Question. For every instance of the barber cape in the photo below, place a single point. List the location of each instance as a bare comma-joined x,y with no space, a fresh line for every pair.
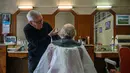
65,56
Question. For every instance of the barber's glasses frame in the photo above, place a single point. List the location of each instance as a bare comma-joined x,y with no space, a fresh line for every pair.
38,22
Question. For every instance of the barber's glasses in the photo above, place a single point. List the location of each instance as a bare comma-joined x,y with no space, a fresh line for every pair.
39,22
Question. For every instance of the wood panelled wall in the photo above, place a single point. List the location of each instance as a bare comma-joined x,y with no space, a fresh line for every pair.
50,19
3,59
13,26
84,26
122,30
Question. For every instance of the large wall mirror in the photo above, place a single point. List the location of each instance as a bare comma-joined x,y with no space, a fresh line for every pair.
21,22
62,18
103,27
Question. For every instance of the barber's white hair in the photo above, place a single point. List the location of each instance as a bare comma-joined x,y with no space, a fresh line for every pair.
68,30
32,14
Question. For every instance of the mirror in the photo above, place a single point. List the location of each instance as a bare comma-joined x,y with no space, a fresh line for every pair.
21,22
103,27
62,18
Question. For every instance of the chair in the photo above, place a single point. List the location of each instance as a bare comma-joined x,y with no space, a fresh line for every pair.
124,57
110,64
124,54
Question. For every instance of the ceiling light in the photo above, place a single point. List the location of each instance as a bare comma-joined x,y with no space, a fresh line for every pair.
65,7
104,7
25,7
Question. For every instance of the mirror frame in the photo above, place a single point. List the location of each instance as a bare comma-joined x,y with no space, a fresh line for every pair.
68,11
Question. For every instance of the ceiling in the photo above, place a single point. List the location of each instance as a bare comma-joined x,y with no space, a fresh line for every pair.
75,3
119,6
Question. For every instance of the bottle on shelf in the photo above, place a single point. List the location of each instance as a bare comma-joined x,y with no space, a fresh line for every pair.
80,39
116,43
112,44
88,39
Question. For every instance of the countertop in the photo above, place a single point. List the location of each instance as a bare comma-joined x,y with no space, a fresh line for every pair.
89,45
106,51
106,54
17,51
18,54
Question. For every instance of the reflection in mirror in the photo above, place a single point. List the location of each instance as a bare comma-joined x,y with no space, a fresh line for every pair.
103,27
62,18
21,22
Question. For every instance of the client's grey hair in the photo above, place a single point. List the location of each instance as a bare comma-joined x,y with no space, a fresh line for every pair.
68,30
32,15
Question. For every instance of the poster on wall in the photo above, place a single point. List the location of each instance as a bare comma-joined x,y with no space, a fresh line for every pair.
6,21
107,25
122,20
100,29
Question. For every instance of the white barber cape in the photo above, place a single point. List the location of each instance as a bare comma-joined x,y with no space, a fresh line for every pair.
58,59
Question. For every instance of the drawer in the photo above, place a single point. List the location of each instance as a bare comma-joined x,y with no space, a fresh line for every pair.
2,48
2,54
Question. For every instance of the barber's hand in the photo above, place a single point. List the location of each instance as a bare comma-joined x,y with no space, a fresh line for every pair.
53,32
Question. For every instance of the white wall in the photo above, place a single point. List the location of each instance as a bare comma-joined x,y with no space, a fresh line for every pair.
8,6
21,22
84,10
62,18
106,35
46,10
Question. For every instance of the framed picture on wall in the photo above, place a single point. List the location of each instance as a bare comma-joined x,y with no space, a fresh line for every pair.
108,25
6,18
6,21
100,29
122,19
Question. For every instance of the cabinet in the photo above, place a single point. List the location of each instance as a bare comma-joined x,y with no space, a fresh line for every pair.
90,50
2,59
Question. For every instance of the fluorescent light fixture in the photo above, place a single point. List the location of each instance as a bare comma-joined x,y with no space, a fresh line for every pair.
104,7
65,7
25,7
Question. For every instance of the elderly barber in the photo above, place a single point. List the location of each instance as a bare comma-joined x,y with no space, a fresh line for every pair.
65,55
38,35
